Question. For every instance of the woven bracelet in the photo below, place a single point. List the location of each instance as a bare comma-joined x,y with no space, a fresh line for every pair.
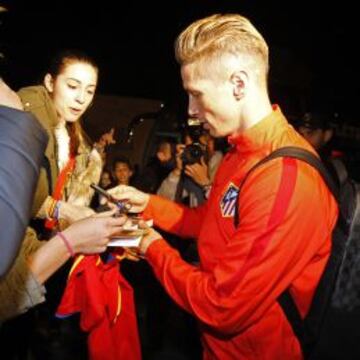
67,244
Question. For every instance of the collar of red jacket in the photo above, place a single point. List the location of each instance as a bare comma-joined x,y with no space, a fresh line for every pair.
261,134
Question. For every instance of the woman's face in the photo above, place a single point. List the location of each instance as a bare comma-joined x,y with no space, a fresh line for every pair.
73,90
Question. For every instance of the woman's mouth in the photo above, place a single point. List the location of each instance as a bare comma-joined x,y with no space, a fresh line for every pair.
75,111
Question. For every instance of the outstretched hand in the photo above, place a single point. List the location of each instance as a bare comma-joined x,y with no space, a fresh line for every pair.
150,236
137,199
107,139
91,235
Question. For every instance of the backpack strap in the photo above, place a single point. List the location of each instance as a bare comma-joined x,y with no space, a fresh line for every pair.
297,153
340,169
323,292
306,156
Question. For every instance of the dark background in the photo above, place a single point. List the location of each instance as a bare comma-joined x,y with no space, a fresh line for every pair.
314,61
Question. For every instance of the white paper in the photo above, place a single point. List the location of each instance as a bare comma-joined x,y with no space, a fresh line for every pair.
131,240
125,241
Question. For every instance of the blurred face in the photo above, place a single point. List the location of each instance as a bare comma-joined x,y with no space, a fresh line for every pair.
212,101
316,137
73,90
105,179
164,153
122,173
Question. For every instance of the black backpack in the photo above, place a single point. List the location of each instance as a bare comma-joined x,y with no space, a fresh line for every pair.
331,329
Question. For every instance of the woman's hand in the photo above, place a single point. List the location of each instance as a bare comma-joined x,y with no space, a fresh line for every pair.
91,235
71,213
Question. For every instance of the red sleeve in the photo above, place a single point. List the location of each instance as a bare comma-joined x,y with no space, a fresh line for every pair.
175,218
286,217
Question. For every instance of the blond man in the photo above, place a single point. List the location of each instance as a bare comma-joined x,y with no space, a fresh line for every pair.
280,236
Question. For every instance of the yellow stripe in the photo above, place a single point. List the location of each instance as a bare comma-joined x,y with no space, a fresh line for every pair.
98,261
119,304
76,263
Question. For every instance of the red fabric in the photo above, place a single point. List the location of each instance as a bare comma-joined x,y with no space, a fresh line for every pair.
59,188
280,207
286,217
93,290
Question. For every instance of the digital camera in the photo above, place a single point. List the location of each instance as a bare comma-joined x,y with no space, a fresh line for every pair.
192,154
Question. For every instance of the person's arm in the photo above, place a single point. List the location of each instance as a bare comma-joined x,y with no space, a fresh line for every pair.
168,215
65,212
169,185
86,236
175,218
19,289
22,146
284,232
105,140
22,288
43,263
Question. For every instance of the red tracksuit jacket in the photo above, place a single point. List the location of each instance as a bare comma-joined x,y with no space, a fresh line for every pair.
286,218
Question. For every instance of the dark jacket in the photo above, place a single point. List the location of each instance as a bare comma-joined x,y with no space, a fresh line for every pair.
22,146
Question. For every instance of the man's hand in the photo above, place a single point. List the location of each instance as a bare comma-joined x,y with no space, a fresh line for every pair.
147,239
105,140
198,172
137,199
9,97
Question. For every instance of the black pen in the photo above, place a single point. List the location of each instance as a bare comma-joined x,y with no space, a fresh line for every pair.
122,205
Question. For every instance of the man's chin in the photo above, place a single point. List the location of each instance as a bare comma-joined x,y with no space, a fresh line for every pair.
214,133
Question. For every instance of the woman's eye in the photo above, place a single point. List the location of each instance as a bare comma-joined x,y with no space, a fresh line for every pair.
71,86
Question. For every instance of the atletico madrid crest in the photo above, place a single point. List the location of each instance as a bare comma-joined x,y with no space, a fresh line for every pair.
228,201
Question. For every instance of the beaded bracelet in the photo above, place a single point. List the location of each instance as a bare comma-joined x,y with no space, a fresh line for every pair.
67,244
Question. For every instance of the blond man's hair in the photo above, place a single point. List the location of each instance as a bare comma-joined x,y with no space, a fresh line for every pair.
220,35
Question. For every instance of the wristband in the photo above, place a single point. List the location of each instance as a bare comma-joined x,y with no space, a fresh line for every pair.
67,244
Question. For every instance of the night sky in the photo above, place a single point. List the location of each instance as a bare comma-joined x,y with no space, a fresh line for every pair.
313,57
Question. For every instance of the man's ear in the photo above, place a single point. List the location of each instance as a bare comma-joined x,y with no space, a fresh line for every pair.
49,83
240,80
